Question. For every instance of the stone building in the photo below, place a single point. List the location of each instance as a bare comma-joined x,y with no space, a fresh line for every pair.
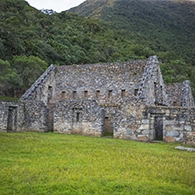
127,100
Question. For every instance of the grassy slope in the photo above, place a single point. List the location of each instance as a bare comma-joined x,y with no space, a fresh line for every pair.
92,7
33,163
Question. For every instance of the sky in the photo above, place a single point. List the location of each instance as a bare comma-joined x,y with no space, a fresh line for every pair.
56,5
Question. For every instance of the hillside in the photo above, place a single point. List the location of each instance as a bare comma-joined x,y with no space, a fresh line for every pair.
160,25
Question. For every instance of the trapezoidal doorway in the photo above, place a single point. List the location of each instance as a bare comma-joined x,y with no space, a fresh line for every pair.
11,120
108,127
158,127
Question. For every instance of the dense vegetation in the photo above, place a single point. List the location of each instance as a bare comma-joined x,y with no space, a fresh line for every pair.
31,40
35,163
163,26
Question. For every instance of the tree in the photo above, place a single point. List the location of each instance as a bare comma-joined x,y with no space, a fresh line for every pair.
6,73
28,69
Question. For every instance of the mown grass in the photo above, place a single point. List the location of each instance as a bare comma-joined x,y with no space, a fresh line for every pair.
44,164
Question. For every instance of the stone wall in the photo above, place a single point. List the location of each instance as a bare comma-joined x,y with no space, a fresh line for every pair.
131,123
8,113
43,88
35,116
140,123
152,88
180,94
23,116
178,123
174,92
78,117
187,98
102,82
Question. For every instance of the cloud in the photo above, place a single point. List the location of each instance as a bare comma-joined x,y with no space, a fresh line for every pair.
56,5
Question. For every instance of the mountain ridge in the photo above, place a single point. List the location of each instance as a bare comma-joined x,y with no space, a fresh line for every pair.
84,8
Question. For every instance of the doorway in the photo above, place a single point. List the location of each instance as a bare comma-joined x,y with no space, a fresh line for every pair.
158,128
11,120
108,127
50,123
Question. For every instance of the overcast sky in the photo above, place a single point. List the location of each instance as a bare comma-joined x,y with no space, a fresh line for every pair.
56,5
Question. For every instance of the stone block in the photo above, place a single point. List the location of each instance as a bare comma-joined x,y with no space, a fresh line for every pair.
169,139
142,138
145,132
138,122
177,139
172,133
188,128
129,132
145,121
144,126
133,127
176,128
169,128
133,137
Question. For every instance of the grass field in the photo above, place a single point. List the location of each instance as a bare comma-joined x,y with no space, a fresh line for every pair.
52,164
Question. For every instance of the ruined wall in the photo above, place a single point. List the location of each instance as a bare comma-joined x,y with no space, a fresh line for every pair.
78,117
143,123
174,92
35,116
43,88
187,98
152,89
178,123
130,123
102,82
23,116
8,116
180,94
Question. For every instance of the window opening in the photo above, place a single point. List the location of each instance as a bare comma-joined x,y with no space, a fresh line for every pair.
109,93
155,89
49,93
161,95
63,94
11,119
108,127
158,127
123,91
155,93
78,116
74,94
85,94
135,92
97,93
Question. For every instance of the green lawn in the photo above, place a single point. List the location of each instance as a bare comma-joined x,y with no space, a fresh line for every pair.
44,164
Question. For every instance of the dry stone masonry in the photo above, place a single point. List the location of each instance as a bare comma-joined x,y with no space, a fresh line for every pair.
127,100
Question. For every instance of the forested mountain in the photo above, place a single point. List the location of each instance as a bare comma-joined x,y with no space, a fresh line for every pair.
114,30
161,25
